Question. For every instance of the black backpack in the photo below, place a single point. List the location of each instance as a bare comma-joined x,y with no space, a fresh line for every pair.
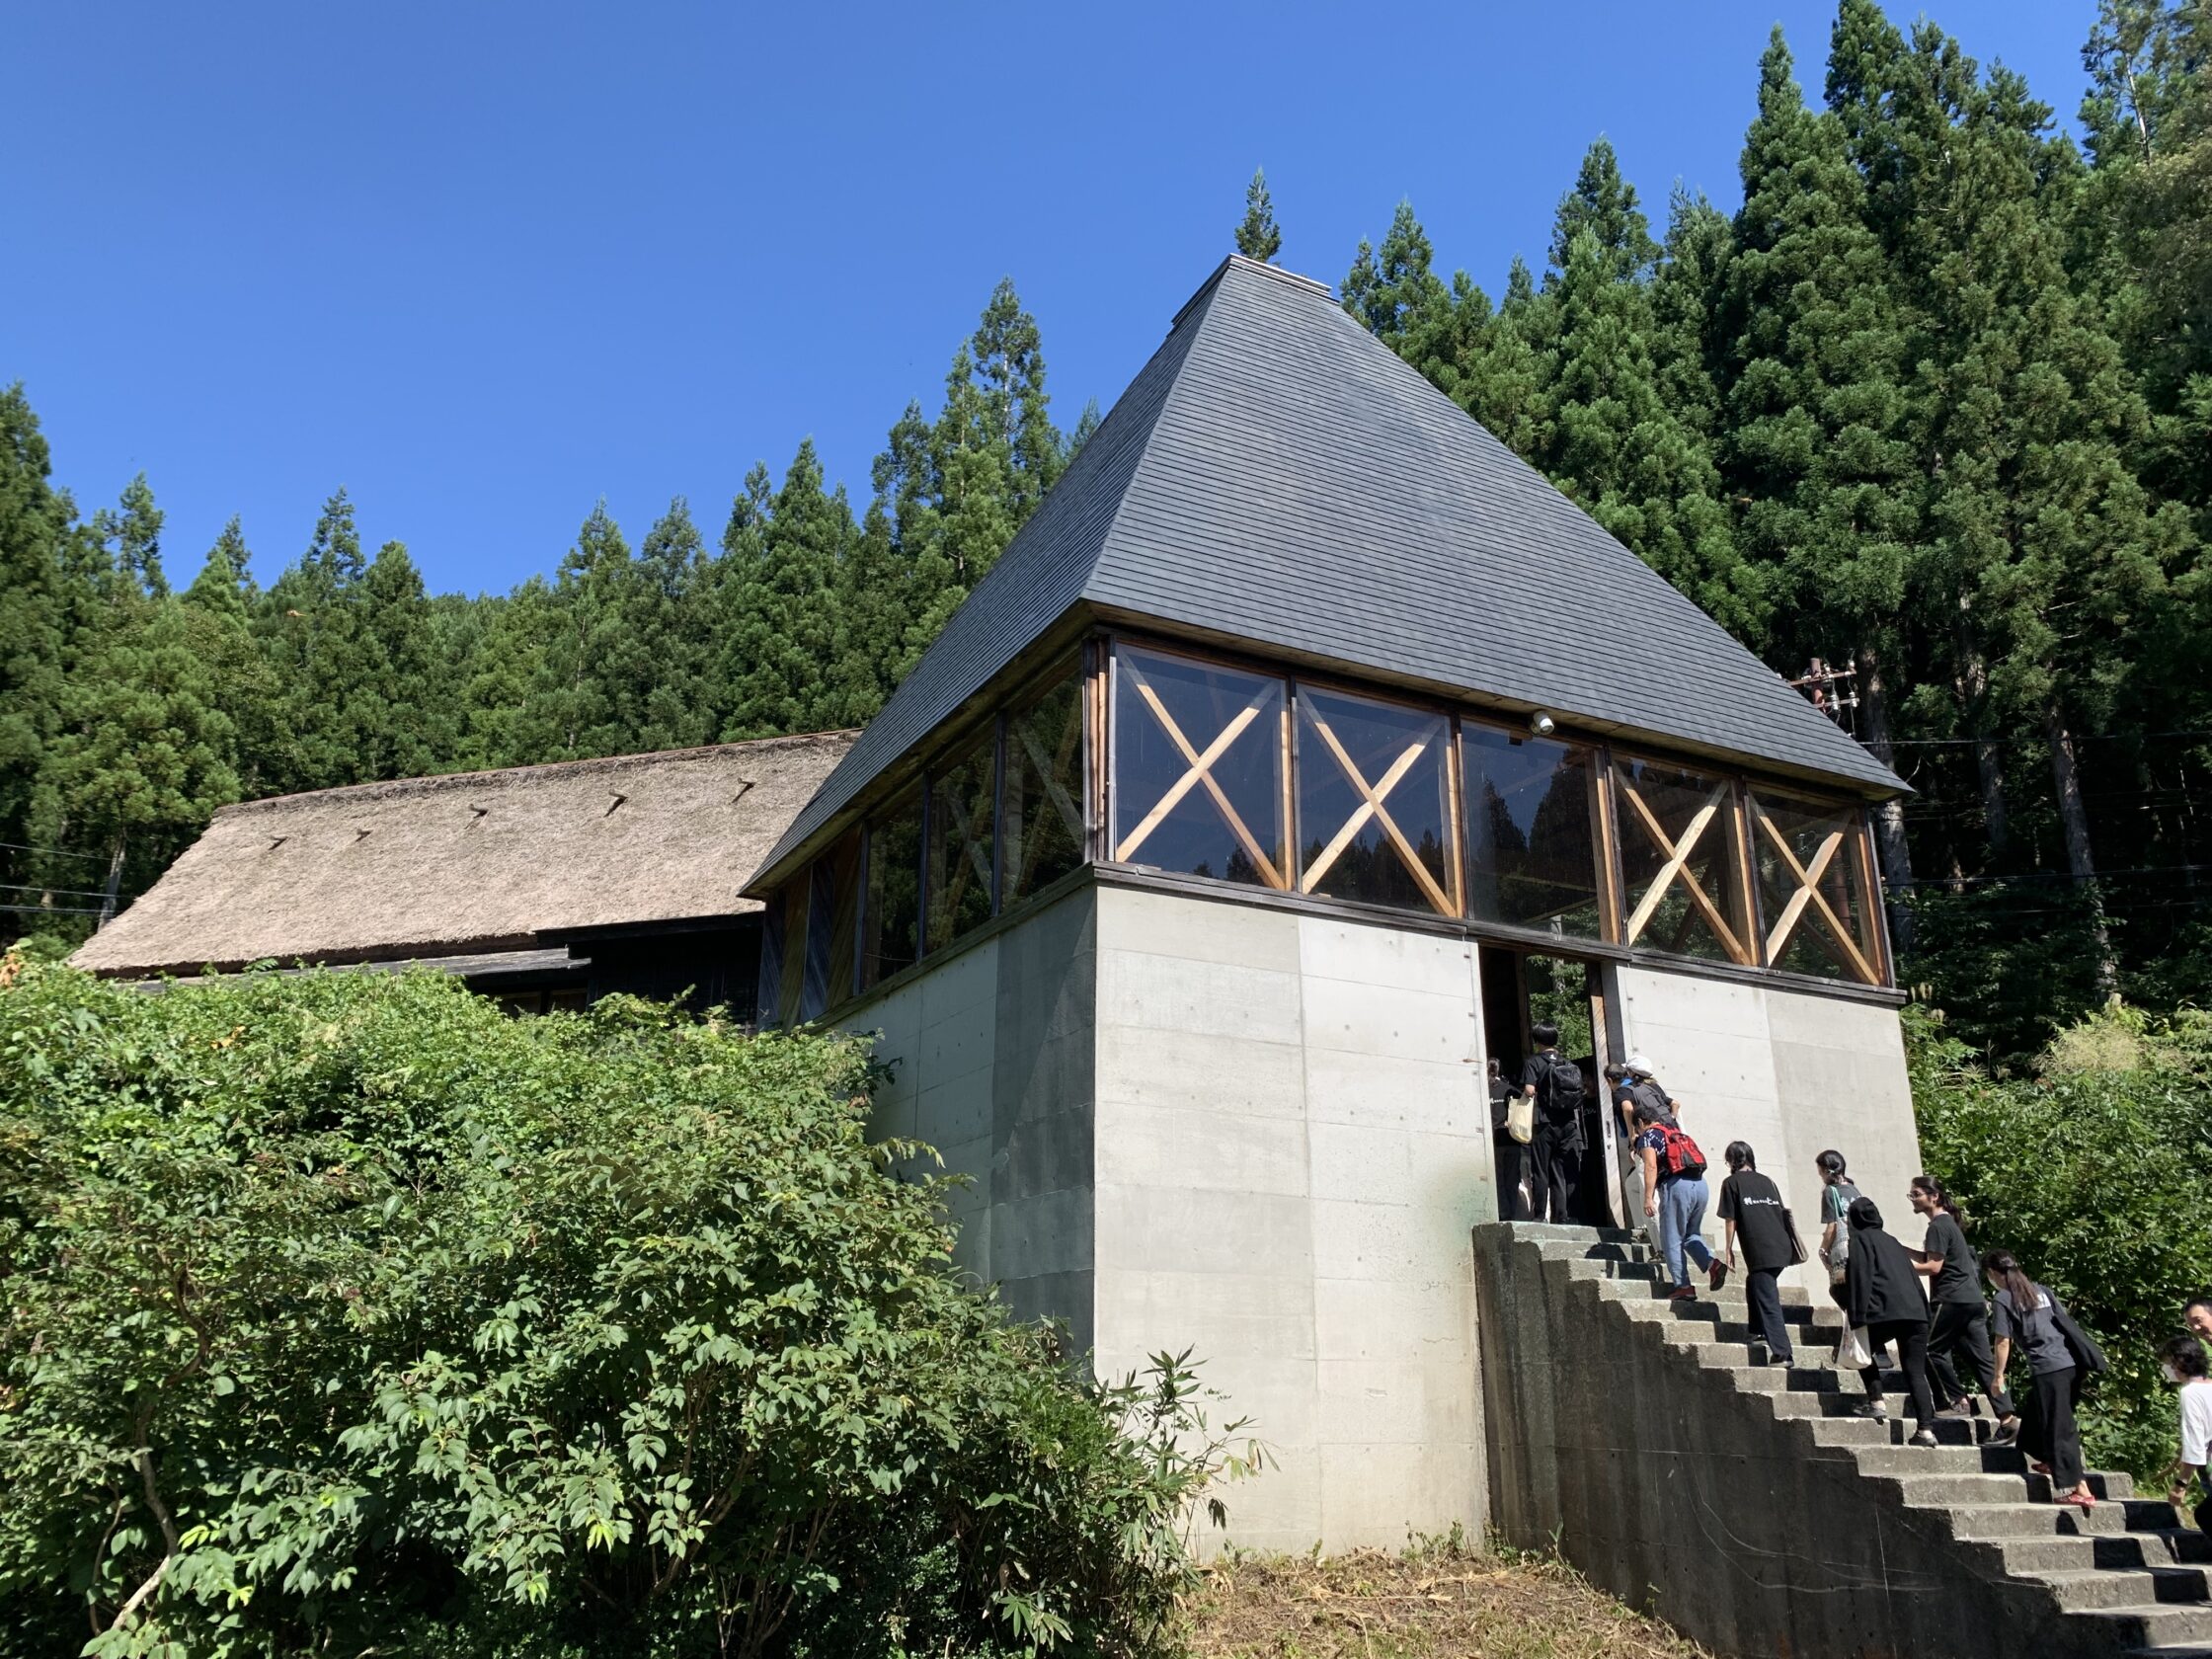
1561,1096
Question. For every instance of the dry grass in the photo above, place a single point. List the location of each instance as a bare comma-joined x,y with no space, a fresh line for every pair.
1437,1603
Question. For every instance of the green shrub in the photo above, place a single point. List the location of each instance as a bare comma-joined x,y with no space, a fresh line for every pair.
346,1315
2093,1173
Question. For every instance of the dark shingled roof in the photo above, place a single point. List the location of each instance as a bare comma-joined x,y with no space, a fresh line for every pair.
1277,475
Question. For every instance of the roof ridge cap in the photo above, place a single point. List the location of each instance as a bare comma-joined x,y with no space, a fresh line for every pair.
498,776
1258,268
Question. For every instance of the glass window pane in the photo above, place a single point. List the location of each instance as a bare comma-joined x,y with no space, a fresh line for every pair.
1812,888
1198,768
1532,830
844,862
1044,818
1373,801
768,985
1680,862
891,934
963,797
821,905
791,995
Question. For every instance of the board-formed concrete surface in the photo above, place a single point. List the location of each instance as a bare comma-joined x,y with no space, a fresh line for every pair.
990,1059
1745,1503
1262,1136
1292,1143
1791,1073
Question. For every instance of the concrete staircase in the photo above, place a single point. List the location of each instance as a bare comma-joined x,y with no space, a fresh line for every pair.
2126,1577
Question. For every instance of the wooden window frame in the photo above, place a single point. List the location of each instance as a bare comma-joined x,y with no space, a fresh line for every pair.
1076,813
1198,763
1605,870
1737,937
1372,796
1849,841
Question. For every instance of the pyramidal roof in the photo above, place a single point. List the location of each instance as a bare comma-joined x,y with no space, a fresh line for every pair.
1278,477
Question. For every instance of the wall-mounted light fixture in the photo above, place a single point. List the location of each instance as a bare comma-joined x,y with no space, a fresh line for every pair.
1541,724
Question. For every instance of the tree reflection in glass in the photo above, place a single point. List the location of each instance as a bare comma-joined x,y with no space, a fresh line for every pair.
891,931
1044,821
1373,801
1532,831
963,797
1198,768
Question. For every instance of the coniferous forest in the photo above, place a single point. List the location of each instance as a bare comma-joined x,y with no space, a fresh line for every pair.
1934,406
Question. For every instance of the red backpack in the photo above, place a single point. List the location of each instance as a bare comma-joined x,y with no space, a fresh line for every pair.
1678,1153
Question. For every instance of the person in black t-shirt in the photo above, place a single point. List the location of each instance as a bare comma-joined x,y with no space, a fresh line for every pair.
1751,1207
1511,1156
1554,1083
1957,1316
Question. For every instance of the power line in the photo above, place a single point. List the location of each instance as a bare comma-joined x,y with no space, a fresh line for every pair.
2037,738
55,852
65,892
52,910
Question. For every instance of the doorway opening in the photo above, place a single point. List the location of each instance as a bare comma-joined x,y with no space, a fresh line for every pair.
1522,990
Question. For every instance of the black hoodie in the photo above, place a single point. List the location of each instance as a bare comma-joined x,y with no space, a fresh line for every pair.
1881,1283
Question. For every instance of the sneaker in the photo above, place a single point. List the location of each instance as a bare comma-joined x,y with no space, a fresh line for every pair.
1718,1274
1923,1437
1875,1409
1682,1292
2005,1432
1957,1408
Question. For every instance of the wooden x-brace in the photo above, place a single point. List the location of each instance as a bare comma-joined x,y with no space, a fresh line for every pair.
1048,770
1676,867
972,853
1807,877
1200,773
1370,805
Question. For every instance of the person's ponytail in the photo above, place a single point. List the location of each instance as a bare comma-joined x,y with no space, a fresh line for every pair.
2004,1272
1935,1189
1831,1168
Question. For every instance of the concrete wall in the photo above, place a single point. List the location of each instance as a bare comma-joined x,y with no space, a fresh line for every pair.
1794,1073
993,1064
1291,1145
1673,1490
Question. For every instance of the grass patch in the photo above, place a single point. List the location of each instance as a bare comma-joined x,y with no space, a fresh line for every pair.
1438,1599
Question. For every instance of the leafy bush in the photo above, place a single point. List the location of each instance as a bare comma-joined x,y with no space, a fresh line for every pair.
2093,1172
346,1315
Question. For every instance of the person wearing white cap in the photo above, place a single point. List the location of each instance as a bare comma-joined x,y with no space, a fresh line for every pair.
1637,1085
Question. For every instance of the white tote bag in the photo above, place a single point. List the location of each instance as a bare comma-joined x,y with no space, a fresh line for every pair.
1520,1119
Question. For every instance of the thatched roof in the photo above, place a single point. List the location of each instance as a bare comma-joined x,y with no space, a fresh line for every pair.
476,861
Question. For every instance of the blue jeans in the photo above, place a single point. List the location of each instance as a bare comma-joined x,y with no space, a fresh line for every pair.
1682,1211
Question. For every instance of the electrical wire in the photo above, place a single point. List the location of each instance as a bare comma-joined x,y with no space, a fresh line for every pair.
57,852
65,892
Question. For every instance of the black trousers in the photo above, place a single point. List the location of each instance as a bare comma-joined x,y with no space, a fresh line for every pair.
1557,1156
2048,1433
1962,1327
1513,1163
1911,1338
1763,1288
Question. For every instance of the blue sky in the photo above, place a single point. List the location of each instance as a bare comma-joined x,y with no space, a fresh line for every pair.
485,263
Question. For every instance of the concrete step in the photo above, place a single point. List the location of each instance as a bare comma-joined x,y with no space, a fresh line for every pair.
2152,1625
2120,1551
2166,1586
1991,1522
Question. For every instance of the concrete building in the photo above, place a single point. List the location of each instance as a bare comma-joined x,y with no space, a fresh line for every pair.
1303,751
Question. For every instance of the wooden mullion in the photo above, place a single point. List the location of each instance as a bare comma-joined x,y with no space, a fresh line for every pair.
1454,805
1747,872
1870,887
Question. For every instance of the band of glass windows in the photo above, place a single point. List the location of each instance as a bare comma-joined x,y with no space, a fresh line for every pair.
1222,772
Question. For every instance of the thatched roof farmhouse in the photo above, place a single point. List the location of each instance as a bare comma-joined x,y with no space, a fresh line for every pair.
545,883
